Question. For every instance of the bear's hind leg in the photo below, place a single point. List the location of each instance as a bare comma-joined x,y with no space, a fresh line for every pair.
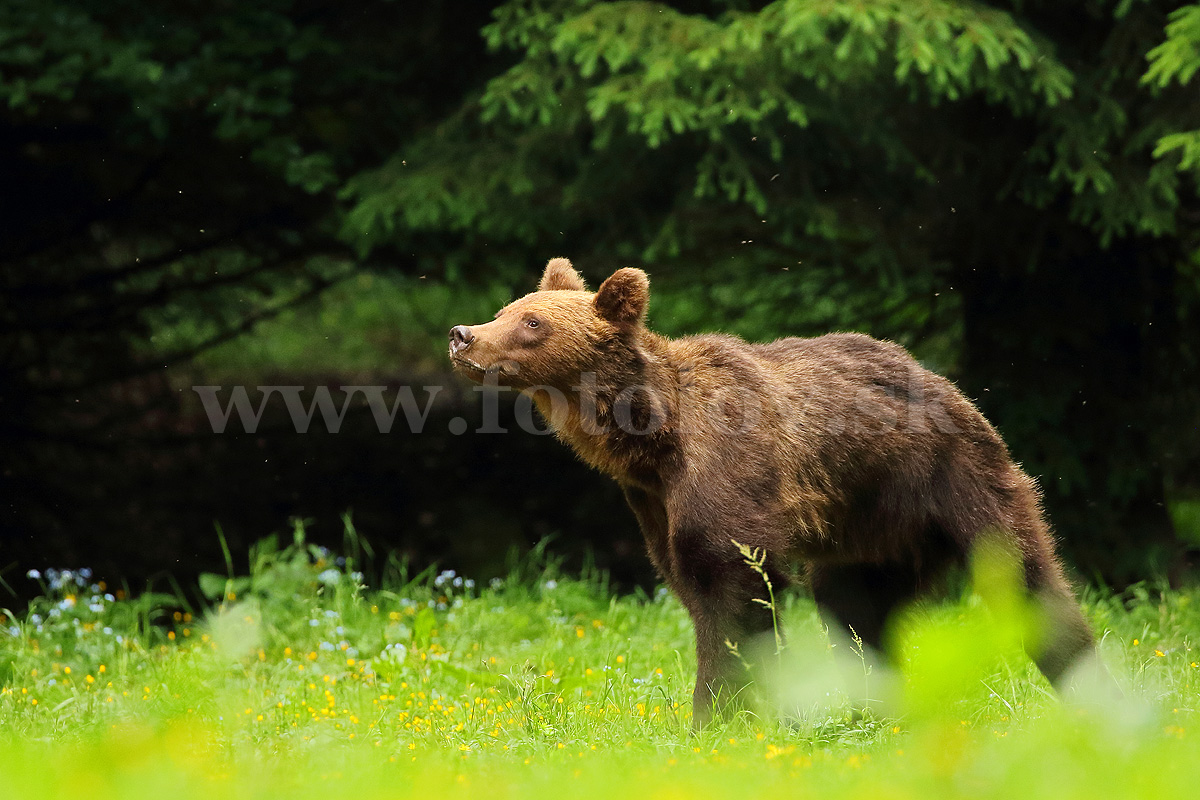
858,601
862,597
1065,637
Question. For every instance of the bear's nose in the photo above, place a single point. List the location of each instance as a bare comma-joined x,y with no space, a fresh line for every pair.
460,338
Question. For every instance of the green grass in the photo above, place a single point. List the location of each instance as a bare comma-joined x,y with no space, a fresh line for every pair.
297,681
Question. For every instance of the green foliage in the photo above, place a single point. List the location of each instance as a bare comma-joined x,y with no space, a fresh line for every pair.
670,73
1176,60
229,65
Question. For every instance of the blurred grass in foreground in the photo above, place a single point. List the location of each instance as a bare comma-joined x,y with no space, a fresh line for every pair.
299,681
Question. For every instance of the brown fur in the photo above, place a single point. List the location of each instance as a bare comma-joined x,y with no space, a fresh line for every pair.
839,451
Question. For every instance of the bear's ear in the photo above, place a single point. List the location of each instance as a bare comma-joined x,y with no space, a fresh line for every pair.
560,274
623,298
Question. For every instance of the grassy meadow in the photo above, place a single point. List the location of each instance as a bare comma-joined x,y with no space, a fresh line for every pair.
298,680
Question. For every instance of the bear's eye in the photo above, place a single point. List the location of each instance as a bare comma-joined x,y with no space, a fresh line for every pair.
532,323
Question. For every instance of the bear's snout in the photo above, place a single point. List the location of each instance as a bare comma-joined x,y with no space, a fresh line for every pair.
460,338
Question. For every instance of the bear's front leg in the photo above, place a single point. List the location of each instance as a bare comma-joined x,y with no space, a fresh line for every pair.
723,677
735,632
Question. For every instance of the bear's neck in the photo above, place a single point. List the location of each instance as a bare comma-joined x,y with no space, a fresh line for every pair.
621,418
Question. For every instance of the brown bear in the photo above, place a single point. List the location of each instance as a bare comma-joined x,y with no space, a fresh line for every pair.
838,452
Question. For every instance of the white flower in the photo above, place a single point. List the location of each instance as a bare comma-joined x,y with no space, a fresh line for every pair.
394,653
329,576
33,574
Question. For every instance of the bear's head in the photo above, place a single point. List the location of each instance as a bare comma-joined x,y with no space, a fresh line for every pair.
551,336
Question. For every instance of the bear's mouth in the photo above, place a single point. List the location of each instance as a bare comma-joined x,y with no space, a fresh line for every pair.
467,363
503,371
